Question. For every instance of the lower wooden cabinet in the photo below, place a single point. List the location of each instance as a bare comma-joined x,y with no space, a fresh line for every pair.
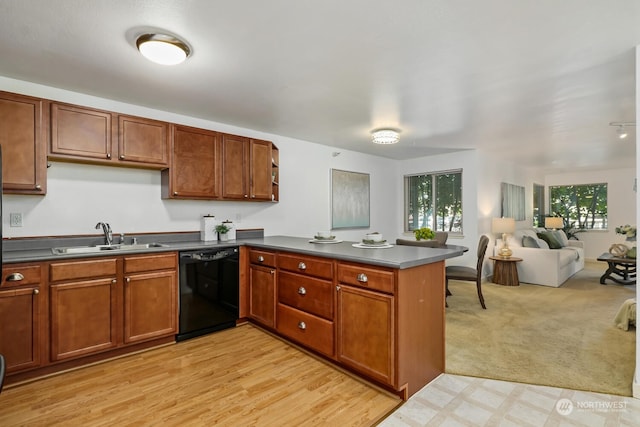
150,297
262,294
21,326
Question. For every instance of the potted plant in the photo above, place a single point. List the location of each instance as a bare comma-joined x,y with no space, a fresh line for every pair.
424,233
222,230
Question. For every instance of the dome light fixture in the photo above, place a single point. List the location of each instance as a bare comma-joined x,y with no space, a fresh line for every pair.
163,49
385,136
622,131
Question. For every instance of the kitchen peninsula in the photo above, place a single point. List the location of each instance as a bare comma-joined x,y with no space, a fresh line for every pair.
376,312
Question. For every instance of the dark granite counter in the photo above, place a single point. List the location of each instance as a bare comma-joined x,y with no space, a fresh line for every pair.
34,250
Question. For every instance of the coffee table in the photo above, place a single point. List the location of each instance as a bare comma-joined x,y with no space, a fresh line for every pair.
622,267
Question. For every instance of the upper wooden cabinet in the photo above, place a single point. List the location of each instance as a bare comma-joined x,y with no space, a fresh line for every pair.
195,165
23,125
247,169
88,135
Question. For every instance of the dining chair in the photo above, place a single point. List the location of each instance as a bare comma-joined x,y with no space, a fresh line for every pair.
457,272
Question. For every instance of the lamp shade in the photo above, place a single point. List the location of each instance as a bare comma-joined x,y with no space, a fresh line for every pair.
553,222
503,225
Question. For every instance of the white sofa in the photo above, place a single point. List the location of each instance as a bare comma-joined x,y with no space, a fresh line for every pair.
544,266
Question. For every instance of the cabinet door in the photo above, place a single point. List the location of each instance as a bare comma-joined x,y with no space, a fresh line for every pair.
20,340
260,169
234,167
150,306
83,318
262,295
143,141
23,140
79,133
366,332
195,165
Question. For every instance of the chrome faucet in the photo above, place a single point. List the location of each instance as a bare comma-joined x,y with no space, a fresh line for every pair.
106,229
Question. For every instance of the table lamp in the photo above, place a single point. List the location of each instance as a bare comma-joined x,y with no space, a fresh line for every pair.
504,226
553,222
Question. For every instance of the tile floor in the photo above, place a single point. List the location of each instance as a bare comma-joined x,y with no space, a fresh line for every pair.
454,400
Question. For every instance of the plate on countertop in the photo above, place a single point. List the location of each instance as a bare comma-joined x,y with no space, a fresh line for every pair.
314,240
374,246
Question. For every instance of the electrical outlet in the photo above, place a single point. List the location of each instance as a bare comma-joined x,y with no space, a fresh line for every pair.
15,219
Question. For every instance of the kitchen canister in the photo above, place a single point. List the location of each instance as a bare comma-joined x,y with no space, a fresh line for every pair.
208,228
232,232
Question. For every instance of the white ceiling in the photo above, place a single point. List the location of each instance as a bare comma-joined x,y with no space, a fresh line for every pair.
535,80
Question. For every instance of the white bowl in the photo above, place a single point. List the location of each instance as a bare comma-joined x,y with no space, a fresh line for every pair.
324,234
376,237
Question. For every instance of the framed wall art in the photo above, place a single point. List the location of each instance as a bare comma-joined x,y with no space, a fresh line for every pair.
512,201
349,199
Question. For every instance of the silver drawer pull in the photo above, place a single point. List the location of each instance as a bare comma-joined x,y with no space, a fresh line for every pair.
15,277
302,266
362,278
302,291
260,258
302,325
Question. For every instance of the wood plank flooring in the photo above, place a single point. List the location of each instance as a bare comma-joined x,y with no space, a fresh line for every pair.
237,377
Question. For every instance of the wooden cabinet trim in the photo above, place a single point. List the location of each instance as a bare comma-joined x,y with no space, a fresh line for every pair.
88,268
306,265
32,275
140,263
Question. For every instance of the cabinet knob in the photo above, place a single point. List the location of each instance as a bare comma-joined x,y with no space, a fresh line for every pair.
302,291
108,155
260,258
38,187
273,272
362,278
122,157
253,196
175,193
246,196
337,288
15,277
113,281
127,279
302,325
36,291
302,266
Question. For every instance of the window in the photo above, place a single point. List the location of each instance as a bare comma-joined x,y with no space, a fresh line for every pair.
583,205
538,205
434,200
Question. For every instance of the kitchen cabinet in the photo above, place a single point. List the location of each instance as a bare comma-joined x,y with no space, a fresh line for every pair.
22,337
88,135
194,171
23,137
84,306
262,287
100,304
275,173
150,297
247,169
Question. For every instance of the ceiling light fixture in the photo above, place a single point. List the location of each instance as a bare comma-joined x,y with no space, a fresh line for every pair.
385,136
163,49
621,131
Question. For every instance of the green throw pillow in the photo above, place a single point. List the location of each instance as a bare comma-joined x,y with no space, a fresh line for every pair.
551,240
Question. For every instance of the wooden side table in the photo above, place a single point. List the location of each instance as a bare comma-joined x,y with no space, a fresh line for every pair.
505,270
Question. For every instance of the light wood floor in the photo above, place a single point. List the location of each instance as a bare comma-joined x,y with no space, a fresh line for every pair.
237,377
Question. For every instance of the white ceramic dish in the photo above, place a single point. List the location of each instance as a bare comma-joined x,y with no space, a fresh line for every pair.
325,241
368,246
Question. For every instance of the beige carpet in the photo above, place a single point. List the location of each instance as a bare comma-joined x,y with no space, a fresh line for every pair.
561,337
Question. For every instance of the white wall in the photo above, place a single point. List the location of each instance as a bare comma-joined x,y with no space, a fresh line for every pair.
78,196
621,205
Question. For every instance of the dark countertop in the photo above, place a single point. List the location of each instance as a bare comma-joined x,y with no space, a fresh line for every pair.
401,257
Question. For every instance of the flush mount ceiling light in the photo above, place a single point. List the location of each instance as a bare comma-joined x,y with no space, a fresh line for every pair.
622,131
163,49
385,136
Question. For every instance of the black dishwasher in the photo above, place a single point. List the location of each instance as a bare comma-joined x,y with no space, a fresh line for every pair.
209,291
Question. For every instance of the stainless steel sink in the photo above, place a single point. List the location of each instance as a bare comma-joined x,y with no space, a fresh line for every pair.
105,248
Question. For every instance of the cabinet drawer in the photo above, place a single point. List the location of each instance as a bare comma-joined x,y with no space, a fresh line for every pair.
262,258
366,277
318,267
20,275
311,331
306,293
136,264
96,267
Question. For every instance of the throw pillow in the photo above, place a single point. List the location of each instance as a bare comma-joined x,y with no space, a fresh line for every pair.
551,240
562,237
530,242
